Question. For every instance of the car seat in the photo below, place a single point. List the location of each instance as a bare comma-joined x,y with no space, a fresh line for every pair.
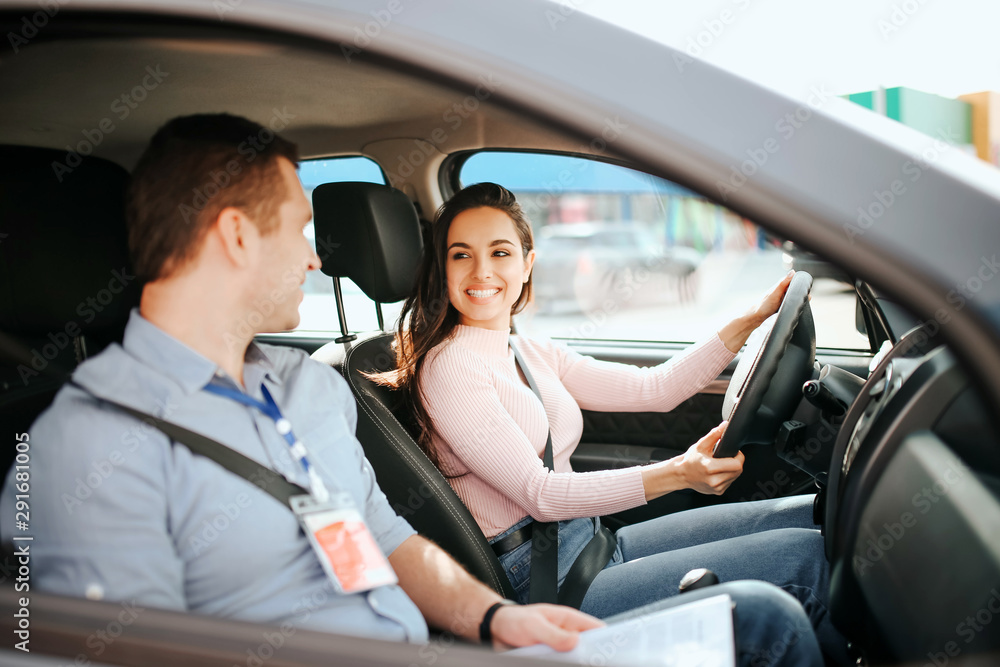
371,234
66,286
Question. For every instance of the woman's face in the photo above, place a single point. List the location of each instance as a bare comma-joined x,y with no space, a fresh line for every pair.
485,266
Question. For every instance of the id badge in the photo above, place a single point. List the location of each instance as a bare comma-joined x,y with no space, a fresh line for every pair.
342,542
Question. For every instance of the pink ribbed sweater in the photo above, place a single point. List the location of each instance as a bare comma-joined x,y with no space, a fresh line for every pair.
491,426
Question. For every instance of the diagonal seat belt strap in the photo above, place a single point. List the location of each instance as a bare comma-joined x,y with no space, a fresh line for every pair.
266,479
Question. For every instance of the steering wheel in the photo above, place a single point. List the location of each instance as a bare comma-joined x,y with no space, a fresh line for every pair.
767,384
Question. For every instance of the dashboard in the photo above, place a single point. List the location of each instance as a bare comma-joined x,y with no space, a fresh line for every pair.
912,509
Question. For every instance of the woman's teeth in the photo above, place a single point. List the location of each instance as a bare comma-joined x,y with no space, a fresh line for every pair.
482,294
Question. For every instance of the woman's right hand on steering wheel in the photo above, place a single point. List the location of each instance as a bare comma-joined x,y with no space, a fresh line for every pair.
694,469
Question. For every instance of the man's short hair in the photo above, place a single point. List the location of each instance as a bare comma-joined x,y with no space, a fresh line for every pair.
193,168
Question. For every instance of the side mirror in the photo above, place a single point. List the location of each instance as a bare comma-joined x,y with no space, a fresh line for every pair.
797,259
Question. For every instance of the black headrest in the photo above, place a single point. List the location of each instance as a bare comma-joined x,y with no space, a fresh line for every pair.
369,233
63,247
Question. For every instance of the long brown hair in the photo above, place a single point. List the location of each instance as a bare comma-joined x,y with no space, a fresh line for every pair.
428,318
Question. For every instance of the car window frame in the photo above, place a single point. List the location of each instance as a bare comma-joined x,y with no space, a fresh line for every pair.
449,182
343,156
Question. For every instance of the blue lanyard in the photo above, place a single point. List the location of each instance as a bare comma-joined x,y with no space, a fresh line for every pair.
284,428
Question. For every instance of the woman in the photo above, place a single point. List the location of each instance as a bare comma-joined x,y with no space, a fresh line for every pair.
486,430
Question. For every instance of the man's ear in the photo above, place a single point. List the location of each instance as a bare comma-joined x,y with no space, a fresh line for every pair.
529,262
237,235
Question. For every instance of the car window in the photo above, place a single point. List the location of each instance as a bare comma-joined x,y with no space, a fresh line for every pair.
623,255
318,310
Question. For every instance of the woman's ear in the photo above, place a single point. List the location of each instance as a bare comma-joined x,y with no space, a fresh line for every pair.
529,261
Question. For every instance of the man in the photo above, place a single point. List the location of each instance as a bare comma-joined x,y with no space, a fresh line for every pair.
215,215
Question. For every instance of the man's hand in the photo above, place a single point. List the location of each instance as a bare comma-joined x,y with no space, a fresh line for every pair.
556,626
451,599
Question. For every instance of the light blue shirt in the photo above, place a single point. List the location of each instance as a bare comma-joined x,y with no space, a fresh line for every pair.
118,512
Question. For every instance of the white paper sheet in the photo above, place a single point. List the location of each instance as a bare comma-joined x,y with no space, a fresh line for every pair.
698,634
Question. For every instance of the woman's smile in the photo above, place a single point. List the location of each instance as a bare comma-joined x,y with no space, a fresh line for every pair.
486,267
482,294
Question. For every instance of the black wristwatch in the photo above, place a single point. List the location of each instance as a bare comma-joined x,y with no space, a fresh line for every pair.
485,634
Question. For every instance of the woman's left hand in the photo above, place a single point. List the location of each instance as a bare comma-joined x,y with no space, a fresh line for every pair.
735,334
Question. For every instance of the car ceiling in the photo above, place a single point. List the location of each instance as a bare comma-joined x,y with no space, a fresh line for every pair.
57,90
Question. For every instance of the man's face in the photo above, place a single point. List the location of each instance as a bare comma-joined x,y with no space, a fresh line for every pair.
286,256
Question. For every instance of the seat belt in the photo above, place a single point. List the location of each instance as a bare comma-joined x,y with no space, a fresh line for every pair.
266,479
543,586
260,476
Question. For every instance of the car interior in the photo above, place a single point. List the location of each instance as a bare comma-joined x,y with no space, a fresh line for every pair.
896,439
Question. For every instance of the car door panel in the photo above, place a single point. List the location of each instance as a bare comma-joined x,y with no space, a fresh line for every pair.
674,430
590,456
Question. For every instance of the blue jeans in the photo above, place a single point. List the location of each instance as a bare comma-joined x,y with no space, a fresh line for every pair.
768,540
